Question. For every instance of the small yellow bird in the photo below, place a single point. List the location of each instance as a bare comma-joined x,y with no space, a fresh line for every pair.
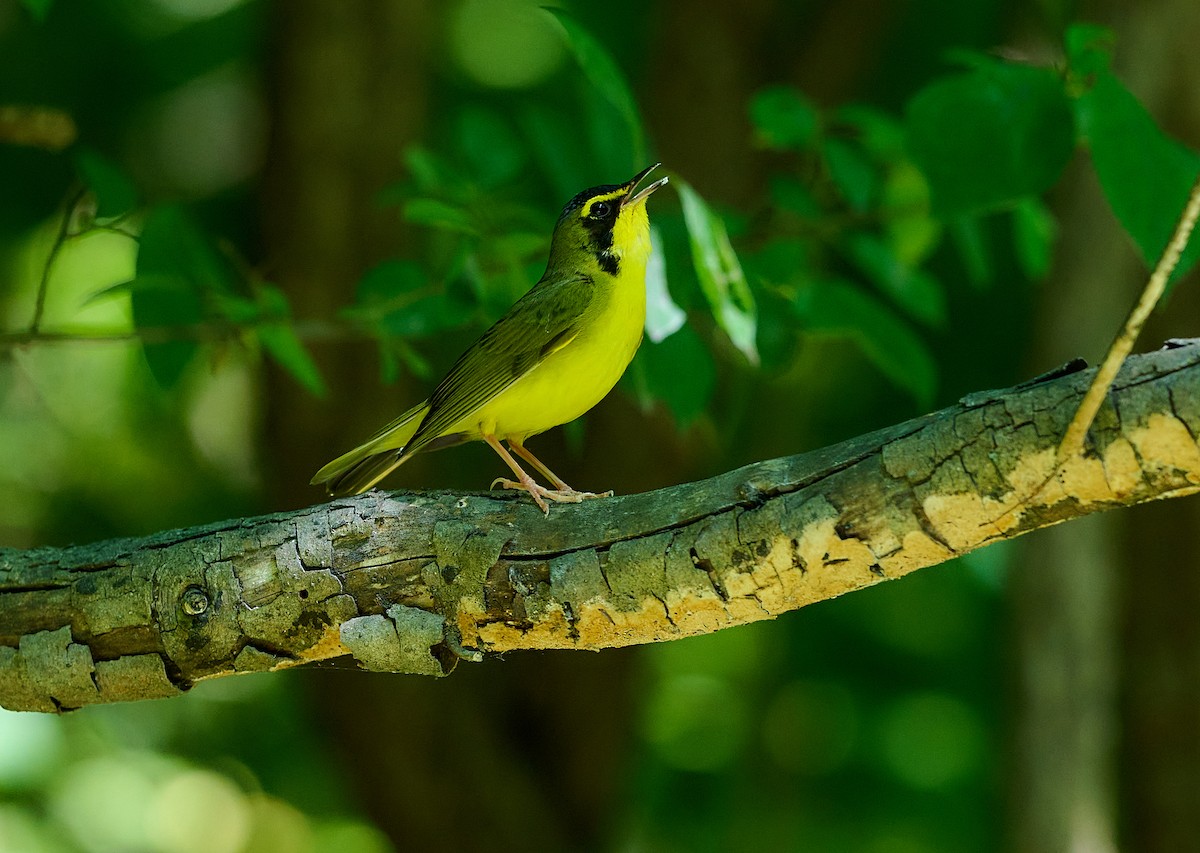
553,356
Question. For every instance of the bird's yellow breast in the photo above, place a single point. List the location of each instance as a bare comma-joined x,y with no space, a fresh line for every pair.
578,375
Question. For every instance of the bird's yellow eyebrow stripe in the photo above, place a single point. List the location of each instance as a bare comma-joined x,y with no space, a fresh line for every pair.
612,196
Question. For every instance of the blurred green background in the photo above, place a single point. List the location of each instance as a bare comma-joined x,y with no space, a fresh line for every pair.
272,225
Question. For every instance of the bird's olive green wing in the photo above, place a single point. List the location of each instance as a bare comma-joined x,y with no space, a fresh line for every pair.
542,321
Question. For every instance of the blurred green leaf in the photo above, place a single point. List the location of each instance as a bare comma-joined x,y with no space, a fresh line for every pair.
162,302
397,299
780,262
178,268
784,118
39,9
172,244
396,352
877,132
388,285
794,197
609,152
438,214
778,329
990,136
1034,231
852,172
680,372
841,309
914,290
114,191
719,271
663,317
432,173
279,340
557,148
491,148
912,233
973,248
1146,175
1089,48
605,75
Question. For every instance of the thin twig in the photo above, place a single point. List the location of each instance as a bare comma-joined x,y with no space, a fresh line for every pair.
64,228
1072,443
308,330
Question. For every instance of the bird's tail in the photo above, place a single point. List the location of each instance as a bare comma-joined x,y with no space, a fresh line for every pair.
354,472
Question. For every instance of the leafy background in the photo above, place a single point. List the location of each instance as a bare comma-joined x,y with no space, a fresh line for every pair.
237,236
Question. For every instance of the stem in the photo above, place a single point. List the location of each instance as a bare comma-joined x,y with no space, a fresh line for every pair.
60,238
1072,442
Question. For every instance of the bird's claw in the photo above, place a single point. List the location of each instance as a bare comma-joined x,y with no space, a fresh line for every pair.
538,492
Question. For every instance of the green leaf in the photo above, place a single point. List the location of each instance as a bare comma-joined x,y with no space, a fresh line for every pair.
971,241
1034,231
839,309
398,300
438,214
876,131
281,343
171,244
38,9
719,271
914,290
794,197
558,150
1089,49
680,372
489,145
780,262
388,285
395,352
853,173
663,317
114,191
784,118
777,337
912,233
160,304
605,75
991,136
432,173
1146,175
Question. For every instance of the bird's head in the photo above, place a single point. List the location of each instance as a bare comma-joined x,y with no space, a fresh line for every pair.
604,227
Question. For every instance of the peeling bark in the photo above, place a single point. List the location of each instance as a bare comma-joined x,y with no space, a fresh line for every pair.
413,582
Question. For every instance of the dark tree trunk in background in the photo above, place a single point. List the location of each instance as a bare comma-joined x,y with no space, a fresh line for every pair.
1108,668
1160,640
350,92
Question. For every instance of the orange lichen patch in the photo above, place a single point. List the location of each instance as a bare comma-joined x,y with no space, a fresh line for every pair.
1167,442
964,520
918,550
329,645
1031,471
1121,468
695,613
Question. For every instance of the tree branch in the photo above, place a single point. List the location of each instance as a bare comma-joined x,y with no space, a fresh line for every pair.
412,582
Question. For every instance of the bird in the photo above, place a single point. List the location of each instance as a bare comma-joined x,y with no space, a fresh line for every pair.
553,356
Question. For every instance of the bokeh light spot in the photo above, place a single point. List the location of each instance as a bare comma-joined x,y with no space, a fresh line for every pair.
30,744
696,722
507,44
199,812
931,740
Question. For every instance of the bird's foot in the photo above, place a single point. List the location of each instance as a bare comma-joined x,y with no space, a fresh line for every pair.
537,491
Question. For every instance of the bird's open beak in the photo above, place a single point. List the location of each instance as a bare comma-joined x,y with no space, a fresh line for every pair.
630,198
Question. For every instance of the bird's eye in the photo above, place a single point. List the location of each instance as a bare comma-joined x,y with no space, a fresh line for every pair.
600,210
